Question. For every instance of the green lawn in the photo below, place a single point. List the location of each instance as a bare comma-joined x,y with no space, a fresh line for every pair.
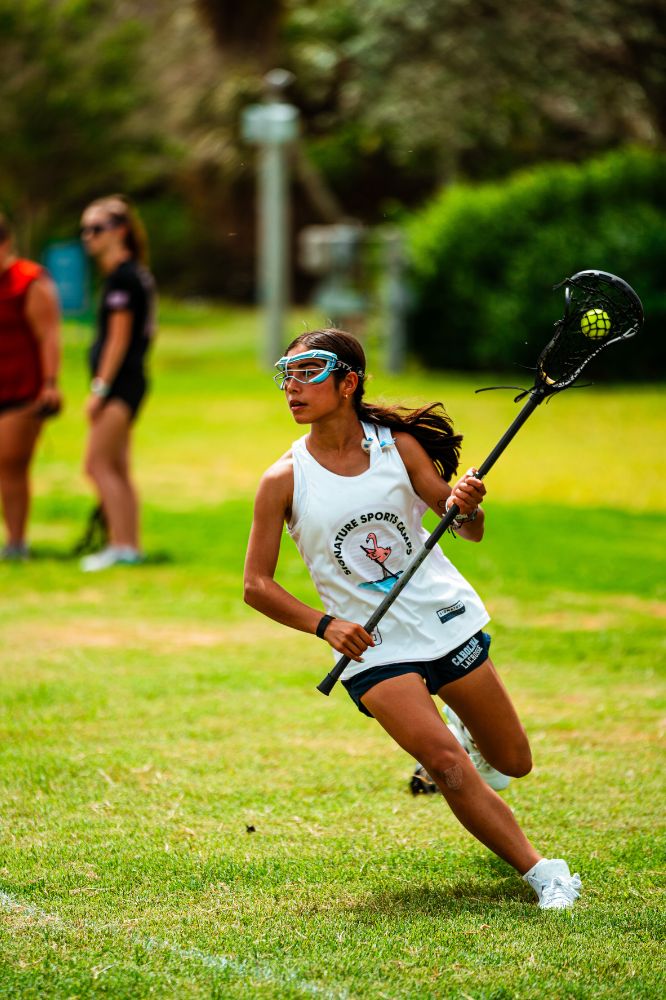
183,815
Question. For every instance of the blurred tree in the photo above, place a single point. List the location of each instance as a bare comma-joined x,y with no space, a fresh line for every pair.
477,86
246,31
73,109
398,97
395,98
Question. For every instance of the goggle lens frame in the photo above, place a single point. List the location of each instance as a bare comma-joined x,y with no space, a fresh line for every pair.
330,360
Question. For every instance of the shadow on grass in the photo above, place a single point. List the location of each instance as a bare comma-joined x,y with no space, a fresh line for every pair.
451,898
48,553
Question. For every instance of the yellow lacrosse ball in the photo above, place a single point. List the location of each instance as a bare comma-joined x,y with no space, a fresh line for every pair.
595,323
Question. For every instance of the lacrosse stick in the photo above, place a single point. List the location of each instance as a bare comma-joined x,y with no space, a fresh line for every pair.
599,309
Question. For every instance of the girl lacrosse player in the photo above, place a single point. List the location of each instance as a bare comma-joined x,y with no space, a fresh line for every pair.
113,235
352,493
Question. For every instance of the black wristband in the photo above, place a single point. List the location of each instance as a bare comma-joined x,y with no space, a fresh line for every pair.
323,625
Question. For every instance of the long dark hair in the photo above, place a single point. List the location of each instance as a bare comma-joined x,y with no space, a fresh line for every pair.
430,425
120,210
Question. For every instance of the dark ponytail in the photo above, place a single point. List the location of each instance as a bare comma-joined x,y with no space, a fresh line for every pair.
430,425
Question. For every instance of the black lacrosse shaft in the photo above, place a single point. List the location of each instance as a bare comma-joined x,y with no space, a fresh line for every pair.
536,396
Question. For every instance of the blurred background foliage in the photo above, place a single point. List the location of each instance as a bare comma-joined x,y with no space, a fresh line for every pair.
401,103
484,258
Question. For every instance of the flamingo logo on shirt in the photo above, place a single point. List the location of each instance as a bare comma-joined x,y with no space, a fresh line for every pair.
379,554
372,546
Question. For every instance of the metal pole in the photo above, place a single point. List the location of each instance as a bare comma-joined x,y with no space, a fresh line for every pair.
272,126
273,247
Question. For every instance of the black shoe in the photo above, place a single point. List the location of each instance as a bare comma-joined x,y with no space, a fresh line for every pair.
421,783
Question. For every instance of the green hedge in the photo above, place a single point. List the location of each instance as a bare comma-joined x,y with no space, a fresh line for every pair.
484,260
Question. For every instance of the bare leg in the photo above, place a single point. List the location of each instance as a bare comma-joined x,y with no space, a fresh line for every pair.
107,464
406,711
19,430
484,705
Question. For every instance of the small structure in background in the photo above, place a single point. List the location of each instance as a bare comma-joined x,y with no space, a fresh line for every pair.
343,256
273,126
67,264
334,255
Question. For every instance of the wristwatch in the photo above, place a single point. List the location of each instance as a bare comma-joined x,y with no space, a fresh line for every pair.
100,388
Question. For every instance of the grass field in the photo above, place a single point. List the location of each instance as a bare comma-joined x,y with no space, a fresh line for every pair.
183,815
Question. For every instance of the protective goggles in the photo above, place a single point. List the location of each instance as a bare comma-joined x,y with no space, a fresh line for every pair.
309,367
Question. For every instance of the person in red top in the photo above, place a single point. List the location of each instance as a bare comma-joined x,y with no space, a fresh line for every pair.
29,364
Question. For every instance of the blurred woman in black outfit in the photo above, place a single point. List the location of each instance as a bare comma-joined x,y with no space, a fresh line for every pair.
113,235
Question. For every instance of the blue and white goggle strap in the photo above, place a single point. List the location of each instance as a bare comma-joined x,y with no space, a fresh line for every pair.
330,359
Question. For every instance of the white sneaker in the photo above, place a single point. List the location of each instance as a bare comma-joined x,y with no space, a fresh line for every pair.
490,774
112,555
555,886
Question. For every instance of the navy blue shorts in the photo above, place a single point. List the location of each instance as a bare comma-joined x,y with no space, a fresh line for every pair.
451,667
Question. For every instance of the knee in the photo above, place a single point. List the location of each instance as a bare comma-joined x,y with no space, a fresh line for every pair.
90,467
447,767
517,760
95,466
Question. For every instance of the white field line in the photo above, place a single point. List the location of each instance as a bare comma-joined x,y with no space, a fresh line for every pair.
240,969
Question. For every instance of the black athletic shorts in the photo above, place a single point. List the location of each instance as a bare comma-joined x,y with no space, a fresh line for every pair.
14,404
451,667
131,389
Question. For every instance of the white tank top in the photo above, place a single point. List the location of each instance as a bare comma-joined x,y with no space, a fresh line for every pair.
357,535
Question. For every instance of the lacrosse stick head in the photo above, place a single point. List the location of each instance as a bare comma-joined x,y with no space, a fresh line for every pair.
599,309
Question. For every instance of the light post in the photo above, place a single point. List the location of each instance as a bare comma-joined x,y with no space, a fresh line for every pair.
272,126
